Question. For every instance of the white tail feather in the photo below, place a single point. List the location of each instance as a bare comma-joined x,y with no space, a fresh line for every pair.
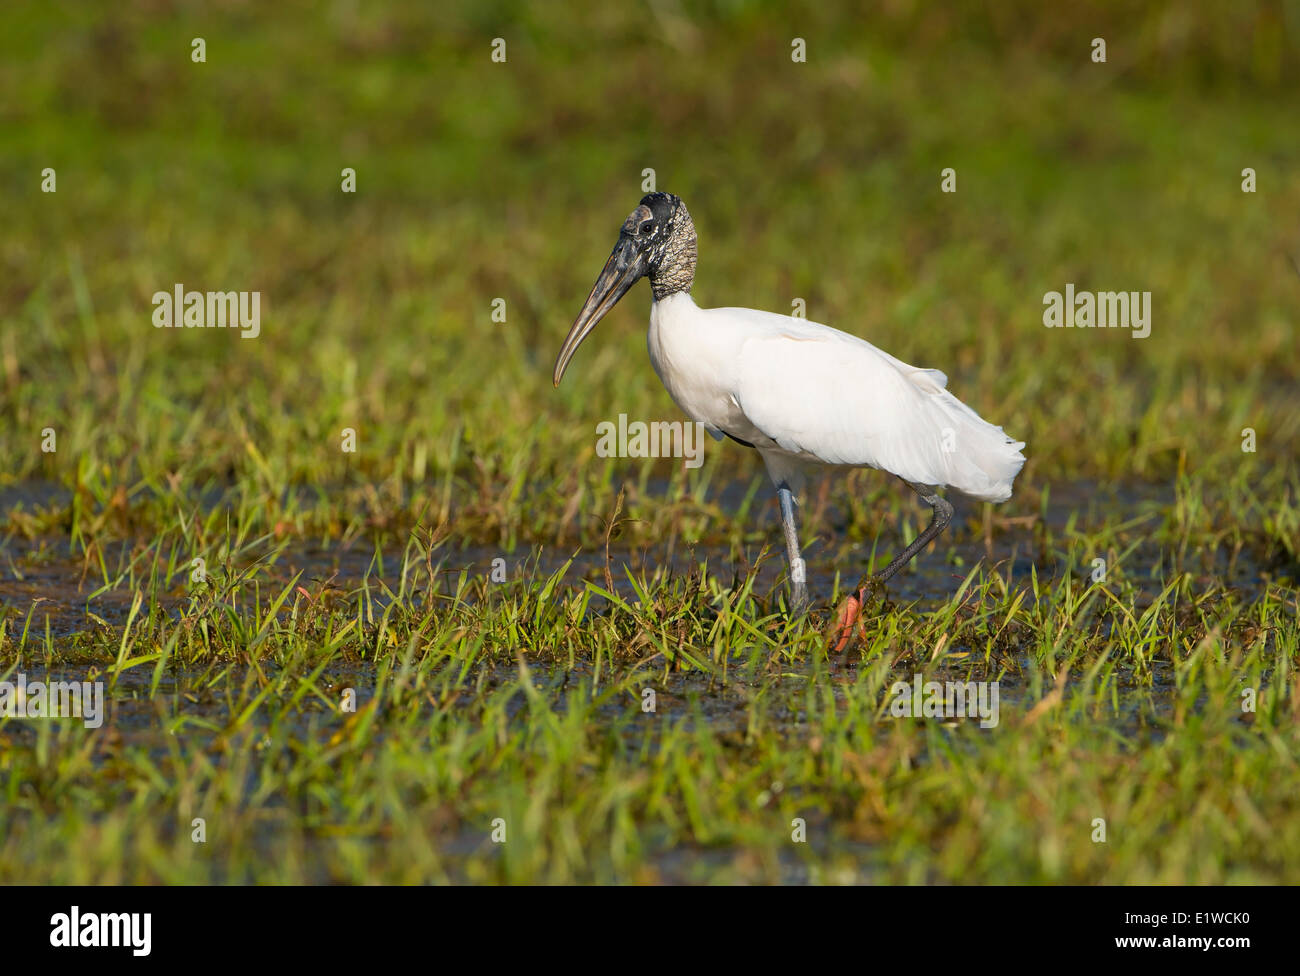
983,461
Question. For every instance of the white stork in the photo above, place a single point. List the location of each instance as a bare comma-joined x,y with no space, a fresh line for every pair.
798,392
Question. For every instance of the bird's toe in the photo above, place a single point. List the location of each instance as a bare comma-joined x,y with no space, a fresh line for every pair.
848,620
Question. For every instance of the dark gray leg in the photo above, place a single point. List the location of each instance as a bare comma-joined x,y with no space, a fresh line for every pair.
938,522
852,606
798,574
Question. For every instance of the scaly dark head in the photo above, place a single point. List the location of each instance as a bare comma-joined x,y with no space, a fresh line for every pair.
657,241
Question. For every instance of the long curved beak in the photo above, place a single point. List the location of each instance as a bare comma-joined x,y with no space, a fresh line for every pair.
625,265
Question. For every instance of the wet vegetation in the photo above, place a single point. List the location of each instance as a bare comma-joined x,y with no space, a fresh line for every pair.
362,665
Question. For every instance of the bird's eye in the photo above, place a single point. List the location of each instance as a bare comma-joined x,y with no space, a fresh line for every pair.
647,227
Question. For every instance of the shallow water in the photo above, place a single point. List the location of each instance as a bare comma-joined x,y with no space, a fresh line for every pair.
63,590
48,588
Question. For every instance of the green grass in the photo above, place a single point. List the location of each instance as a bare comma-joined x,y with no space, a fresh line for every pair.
479,700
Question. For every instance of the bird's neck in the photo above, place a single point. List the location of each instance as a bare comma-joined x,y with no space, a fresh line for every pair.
675,271
673,278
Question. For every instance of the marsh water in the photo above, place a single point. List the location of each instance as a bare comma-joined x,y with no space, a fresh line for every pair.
52,593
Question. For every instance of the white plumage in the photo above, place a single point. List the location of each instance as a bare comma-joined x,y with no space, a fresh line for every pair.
802,392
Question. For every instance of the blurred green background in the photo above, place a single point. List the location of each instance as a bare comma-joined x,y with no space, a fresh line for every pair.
479,180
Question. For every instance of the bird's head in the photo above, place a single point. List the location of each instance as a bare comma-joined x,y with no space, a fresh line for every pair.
656,241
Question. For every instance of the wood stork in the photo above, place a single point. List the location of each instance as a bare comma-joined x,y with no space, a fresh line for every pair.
798,392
